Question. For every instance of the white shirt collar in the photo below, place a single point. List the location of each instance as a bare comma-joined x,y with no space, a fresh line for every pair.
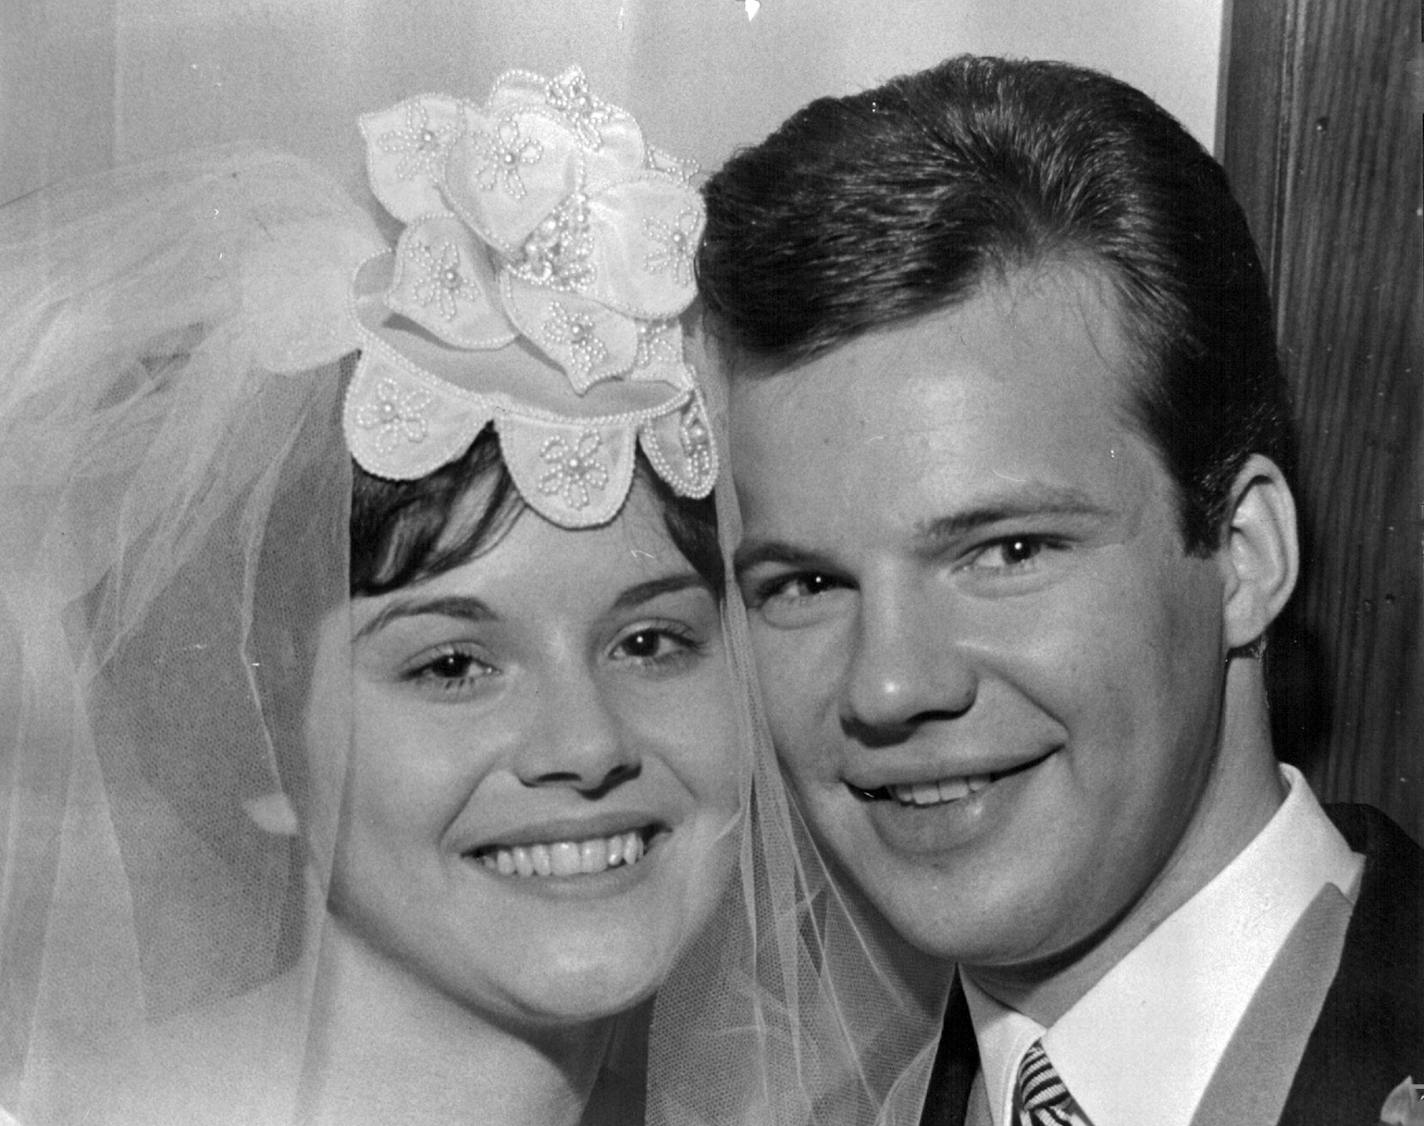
1141,1045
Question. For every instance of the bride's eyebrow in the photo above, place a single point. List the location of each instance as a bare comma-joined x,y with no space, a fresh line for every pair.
448,606
642,592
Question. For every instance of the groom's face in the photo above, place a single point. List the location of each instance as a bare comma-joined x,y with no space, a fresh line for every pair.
991,669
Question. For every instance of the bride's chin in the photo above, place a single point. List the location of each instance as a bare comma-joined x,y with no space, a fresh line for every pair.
596,990
584,962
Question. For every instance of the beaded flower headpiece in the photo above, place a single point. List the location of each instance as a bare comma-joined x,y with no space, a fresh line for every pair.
546,257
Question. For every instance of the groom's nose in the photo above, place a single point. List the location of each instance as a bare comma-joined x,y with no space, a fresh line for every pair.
906,666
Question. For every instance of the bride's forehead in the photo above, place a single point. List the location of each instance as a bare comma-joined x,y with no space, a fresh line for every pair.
535,561
633,542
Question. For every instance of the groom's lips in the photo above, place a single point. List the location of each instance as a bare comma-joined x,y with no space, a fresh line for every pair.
924,829
943,788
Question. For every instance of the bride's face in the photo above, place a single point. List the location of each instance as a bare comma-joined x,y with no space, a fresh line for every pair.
543,782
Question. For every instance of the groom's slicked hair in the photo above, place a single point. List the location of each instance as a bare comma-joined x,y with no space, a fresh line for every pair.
862,212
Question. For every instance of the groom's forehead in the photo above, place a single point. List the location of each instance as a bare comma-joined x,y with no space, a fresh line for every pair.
1079,293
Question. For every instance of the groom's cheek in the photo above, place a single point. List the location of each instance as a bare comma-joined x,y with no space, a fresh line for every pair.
798,678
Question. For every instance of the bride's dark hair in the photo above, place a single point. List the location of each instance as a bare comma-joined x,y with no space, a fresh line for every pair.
406,531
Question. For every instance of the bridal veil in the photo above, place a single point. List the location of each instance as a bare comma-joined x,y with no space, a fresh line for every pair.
173,361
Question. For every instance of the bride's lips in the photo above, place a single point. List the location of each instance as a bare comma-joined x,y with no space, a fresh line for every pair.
569,849
563,858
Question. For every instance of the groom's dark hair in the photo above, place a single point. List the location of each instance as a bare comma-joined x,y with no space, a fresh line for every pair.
863,212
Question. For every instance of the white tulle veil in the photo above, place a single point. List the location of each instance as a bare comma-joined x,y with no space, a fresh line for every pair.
176,495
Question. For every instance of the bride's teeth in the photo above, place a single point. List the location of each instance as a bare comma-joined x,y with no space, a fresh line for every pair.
977,782
564,858
593,856
567,858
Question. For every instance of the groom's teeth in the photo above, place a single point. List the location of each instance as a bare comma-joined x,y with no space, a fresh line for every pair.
933,793
951,789
566,858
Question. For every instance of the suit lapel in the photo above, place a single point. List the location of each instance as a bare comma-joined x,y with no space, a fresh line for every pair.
1254,1076
1370,1034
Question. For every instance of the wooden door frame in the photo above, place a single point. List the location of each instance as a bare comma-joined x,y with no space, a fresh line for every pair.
1321,130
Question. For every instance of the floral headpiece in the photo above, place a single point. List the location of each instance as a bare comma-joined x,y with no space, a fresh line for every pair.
546,257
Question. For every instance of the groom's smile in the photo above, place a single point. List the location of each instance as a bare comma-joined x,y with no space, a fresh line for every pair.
931,820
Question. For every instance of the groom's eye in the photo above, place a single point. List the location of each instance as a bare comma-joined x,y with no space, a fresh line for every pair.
1007,553
791,599
793,587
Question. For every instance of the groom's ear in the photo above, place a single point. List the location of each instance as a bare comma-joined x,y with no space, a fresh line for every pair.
1259,555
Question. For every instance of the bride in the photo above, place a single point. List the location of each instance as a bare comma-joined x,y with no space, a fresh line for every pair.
378,747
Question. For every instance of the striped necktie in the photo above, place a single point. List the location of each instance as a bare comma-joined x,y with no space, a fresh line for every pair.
1043,1100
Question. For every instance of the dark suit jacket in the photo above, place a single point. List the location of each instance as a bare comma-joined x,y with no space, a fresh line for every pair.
1370,1032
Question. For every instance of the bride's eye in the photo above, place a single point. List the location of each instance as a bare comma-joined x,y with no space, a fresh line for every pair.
450,668
657,646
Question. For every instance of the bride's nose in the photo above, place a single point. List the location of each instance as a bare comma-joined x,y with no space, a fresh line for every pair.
576,740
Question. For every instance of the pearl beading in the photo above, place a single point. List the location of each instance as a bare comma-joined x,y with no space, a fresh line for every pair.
395,415
421,146
503,153
576,472
675,244
587,114
443,283
576,333
541,214
556,254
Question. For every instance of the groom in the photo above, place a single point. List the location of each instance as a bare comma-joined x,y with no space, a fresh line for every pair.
1011,441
